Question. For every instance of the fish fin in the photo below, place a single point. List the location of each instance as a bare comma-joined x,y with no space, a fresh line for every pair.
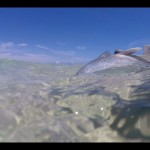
130,51
140,58
105,54
146,49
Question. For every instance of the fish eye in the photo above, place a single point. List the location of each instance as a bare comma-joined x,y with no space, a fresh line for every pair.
116,52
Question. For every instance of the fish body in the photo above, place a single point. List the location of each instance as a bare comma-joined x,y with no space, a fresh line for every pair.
108,60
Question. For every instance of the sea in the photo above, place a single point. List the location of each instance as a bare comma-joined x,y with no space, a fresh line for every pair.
47,103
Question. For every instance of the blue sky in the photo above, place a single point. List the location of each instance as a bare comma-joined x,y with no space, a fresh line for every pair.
70,34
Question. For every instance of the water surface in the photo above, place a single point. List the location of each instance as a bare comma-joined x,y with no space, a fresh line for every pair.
46,103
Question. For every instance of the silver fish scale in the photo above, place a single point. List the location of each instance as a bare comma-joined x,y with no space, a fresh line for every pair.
105,63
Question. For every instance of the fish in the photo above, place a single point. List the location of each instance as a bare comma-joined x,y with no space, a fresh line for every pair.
128,51
108,60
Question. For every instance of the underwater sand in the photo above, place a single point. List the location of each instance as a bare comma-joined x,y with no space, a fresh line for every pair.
46,103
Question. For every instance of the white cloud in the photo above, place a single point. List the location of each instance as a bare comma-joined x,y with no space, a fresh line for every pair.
11,46
6,45
58,52
29,57
81,47
65,56
42,58
65,53
22,45
41,46
14,51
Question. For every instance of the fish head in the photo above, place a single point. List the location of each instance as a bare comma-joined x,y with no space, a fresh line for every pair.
117,51
127,52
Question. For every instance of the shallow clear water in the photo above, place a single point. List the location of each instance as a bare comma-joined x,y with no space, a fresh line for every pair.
46,103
